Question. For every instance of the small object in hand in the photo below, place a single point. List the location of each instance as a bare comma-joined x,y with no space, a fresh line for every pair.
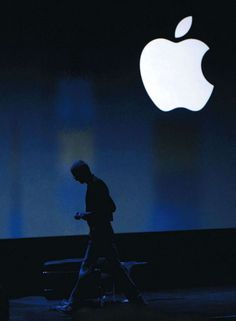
77,216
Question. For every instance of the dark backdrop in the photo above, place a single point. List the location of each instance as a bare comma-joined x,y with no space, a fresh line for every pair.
70,88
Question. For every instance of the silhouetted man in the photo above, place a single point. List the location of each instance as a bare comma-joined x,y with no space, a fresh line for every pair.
99,214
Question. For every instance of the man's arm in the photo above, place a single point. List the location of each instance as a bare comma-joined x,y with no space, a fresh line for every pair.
83,215
101,203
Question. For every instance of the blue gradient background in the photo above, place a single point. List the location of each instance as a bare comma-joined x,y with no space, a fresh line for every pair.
76,93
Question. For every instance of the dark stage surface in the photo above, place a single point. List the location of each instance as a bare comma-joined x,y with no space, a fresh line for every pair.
215,303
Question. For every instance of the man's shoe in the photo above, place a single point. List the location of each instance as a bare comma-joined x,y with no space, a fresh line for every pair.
65,307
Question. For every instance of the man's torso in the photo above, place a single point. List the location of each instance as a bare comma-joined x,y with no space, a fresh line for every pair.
99,202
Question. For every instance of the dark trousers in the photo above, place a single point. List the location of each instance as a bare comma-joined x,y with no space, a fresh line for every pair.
103,248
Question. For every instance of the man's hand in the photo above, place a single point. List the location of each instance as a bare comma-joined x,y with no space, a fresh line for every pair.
79,216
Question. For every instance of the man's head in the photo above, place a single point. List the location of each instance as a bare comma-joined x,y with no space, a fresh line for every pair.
81,171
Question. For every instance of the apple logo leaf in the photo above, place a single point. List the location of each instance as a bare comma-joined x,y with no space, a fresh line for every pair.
183,27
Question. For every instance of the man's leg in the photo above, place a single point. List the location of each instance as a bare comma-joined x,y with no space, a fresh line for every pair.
77,294
86,269
120,275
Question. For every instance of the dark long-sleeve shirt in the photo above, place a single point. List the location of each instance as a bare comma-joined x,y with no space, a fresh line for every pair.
100,204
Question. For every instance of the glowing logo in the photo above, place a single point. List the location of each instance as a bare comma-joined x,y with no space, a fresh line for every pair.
171,71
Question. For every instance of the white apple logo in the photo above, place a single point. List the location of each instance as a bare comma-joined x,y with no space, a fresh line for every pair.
171,71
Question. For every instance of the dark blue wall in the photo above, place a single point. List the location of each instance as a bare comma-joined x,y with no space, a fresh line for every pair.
70,88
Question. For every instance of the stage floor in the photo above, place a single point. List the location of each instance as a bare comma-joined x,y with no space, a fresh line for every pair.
215,304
